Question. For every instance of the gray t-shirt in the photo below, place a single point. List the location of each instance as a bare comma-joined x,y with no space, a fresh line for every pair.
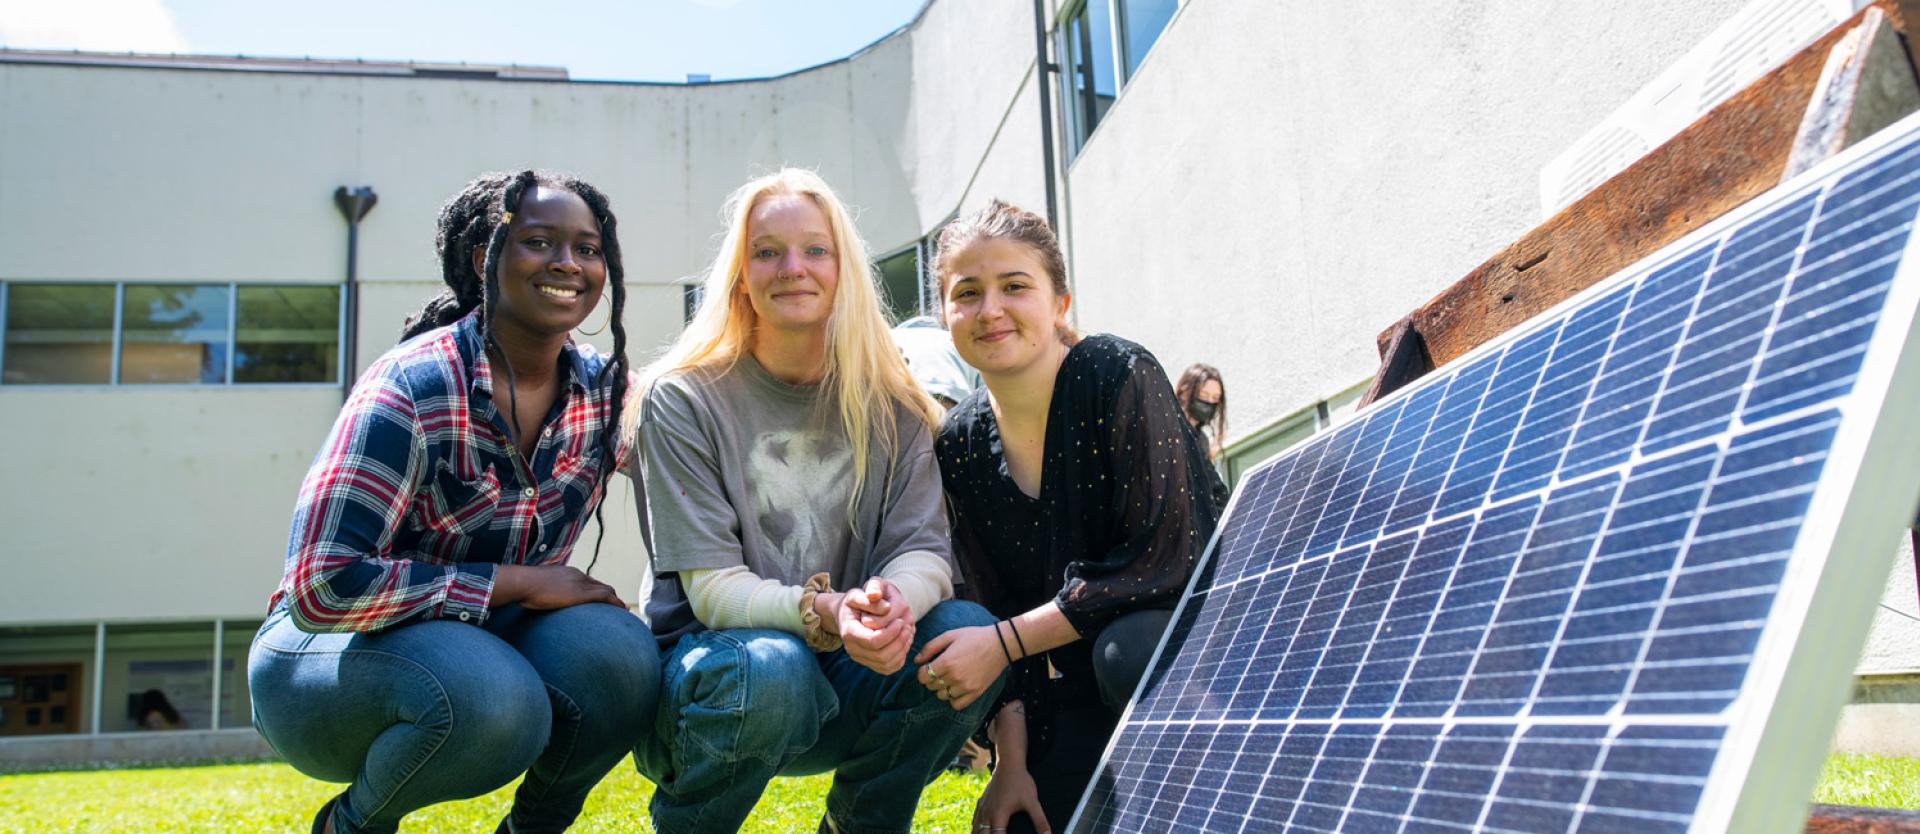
743,469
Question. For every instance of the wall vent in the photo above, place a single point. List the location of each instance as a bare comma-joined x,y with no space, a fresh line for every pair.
1755,40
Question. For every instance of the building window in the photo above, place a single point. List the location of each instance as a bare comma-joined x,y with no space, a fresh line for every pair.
1141,22
1103,43
690,296
899,278
160,334
287,334
1260,445
1088,81
173,333
905,277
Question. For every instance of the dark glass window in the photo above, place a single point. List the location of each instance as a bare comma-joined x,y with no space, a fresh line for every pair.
899,278
690,295
1087,77
287,334
173,333
59,334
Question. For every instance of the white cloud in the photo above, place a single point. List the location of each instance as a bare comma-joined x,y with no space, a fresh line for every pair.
93,25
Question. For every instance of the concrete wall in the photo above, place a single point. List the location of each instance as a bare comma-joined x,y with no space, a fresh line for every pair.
1893,646
1276,183
139,504
1281,181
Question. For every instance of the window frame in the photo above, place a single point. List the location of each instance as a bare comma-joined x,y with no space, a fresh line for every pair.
233,325
1241,454
918,251
1073,109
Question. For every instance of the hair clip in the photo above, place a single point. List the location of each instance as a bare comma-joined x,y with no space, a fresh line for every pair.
506,217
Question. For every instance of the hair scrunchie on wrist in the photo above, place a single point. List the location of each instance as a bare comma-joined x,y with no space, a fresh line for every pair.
819,635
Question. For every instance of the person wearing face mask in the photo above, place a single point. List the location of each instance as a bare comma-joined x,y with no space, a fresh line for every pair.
1081,499
1204,399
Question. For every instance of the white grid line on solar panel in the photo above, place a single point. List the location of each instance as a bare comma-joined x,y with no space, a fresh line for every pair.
1231,606
1721,495
1782,405
1357,764
1799,334
1618,413
1792,221
1320,478
1857,238
1208,673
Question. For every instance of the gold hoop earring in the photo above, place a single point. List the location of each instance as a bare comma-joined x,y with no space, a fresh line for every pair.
603,325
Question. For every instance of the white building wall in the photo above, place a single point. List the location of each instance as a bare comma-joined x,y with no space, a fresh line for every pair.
1276,184
1282,181
1279,182
136,504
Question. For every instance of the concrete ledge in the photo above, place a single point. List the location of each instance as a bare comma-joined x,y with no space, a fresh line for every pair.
1889,729
122,749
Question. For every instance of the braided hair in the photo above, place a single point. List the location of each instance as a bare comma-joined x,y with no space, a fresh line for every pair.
470,220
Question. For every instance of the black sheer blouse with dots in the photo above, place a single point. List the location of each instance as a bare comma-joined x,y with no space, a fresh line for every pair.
1127,503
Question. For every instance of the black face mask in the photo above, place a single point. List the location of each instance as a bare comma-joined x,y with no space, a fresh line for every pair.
1201,411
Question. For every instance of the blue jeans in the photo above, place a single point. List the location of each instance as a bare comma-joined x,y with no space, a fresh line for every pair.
441,710
739,706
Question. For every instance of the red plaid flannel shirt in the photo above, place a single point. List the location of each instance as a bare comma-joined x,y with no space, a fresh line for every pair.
418,496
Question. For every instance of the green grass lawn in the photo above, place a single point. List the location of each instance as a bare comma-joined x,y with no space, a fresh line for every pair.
1876,781
272,797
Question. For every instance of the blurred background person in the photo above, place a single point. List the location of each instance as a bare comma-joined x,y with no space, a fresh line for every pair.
1203,398
934,362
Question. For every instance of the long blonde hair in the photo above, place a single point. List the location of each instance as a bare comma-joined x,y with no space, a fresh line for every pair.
866,377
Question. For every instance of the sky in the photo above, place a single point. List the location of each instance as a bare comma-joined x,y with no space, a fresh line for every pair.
624,40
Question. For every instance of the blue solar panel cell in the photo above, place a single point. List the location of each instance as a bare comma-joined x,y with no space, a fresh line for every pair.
1526,595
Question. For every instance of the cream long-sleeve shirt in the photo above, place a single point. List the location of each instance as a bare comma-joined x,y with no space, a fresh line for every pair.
736,597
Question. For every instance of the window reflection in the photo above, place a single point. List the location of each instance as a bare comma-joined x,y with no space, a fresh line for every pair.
287,334
173,333
59,334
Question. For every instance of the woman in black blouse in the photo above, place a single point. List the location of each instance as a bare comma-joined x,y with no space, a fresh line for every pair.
1081,501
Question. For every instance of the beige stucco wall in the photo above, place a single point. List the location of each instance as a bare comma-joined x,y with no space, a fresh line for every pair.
133,504
1275,185
1282,181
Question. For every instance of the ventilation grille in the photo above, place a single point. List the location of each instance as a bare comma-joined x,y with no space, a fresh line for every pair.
1755,40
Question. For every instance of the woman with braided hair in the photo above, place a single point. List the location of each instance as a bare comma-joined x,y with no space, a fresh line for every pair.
428,640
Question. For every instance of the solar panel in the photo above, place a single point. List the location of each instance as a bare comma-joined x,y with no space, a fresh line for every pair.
1607,573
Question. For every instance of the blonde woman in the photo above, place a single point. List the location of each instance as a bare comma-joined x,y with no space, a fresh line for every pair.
793,510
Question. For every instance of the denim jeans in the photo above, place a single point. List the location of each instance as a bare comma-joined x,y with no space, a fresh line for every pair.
740,706
440,710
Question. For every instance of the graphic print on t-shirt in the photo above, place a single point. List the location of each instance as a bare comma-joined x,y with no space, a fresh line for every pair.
800,482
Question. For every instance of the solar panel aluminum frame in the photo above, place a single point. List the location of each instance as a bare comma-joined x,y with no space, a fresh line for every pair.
1779,728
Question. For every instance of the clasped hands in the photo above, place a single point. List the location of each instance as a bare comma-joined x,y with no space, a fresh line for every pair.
874,622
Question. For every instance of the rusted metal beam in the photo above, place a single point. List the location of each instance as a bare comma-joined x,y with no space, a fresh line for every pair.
1403,360
1734,153
1867,84
1844,819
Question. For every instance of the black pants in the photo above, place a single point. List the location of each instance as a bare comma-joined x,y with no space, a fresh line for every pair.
1080,735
